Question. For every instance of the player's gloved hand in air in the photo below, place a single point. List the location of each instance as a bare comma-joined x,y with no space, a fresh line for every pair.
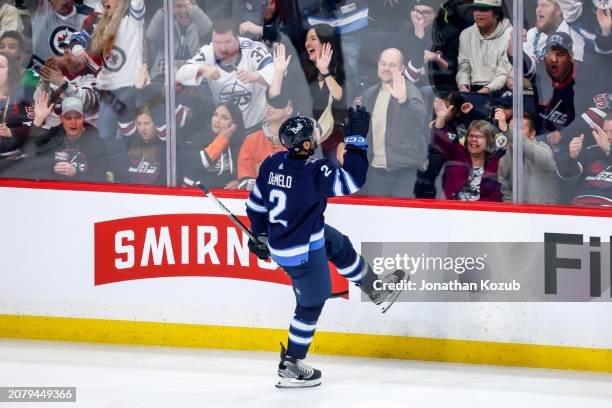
260,248
355,127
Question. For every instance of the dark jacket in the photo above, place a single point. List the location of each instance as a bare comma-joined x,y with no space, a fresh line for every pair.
592,174
87,154
458,166
19,111
405,143
143,162
208,158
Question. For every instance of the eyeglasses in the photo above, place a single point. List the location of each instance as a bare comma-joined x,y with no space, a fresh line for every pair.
424,13
481,8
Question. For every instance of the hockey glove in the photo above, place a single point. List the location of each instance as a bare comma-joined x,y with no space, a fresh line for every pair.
357,122
260,248
423,187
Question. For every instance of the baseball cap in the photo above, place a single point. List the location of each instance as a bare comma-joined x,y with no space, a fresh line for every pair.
560,40
487,3
434,4
505,99
72,104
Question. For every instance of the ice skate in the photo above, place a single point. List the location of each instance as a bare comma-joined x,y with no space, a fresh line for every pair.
386,297
294,373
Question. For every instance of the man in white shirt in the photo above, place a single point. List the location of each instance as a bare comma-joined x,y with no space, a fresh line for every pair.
52,22
237,69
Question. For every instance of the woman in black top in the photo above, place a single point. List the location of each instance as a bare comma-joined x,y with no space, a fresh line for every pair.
210,155
323,66
145,159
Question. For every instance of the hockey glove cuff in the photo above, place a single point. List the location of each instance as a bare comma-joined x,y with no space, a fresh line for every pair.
260,247
356,142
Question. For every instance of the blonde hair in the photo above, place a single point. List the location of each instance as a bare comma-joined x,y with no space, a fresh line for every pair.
105,31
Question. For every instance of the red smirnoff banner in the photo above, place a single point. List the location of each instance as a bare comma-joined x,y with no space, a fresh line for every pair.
174,245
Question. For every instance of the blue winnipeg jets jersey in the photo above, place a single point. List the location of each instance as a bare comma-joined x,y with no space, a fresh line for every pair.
290,196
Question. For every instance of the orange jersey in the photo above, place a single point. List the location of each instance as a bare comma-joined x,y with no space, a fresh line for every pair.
255,149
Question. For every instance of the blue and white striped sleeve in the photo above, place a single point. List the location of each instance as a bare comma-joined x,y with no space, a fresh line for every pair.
137,9
333,181
255,201
257,211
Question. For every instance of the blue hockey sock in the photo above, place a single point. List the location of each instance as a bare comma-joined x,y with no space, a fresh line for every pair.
353,271
341,253
302,329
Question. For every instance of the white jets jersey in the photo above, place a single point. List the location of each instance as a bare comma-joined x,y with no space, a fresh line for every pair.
535,47
81,87
49,29
122,64
251,98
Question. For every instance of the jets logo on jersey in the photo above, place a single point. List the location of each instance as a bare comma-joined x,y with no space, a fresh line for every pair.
115,59
144,171
247,44
57,38
501,141
74,157
601,175
237,94
557,116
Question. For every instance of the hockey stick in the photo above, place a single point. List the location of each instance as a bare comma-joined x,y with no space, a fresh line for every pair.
227,212
244,229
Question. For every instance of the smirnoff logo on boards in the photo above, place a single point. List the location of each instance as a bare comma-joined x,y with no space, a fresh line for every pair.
175,245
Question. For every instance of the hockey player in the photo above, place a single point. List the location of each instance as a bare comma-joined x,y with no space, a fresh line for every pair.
286,211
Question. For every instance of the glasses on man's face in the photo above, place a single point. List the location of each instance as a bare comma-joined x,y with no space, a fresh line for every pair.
424,13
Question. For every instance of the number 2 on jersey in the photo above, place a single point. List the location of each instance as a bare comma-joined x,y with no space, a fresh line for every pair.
279,198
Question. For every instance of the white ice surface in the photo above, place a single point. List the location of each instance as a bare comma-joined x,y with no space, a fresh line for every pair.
133,377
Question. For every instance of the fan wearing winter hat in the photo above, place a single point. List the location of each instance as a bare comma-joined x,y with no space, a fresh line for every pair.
416,41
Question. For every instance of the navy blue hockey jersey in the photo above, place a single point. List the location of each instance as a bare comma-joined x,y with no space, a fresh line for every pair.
290,196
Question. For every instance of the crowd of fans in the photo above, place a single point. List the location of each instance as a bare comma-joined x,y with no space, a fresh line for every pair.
82,92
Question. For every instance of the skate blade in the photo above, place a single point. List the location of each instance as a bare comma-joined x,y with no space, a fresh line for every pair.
386,305
295,383
390,300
